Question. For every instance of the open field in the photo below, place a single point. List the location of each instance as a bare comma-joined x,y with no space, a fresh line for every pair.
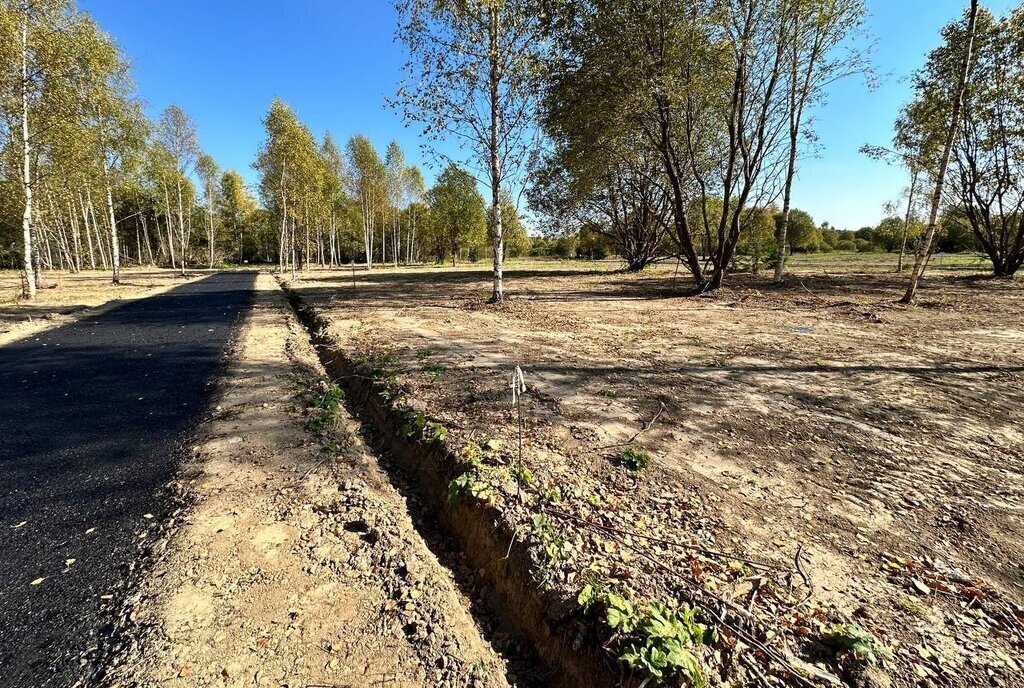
820,454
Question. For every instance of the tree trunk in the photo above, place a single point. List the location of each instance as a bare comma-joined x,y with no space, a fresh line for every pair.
933,219
170,231
115,245
906,221
181,230
96,225
29,289
498,238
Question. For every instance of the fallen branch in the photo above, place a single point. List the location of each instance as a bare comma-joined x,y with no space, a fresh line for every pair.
647,426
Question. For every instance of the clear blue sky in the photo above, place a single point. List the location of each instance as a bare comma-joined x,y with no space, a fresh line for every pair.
334,61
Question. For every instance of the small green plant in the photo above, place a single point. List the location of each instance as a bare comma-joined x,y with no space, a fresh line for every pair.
620,613
662,637
633,459
414,423
607,393
325,408
525,476
472,455
663,651
435,432
551,540
914,608
467,485
553,494
859,642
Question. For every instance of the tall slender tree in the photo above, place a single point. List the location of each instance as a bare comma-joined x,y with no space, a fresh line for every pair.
957,92
471,77
815,32
178,134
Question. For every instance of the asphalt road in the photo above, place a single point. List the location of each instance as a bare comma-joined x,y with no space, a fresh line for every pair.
93,416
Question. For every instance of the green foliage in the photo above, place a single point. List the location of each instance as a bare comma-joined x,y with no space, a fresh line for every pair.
325,411
525,476
435,369
435,432
468,485
414,423
803,236
517,240
632,458
859,642
550,539
472,454
458,217
660,638
663,651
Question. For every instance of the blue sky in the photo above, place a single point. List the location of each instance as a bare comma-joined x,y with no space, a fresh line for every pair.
334,61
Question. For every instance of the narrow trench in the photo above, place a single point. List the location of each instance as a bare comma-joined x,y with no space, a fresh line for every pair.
524,668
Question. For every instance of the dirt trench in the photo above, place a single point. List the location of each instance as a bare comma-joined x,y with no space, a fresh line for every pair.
295,562
538,618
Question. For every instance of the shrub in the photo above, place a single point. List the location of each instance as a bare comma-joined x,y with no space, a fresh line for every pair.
846,245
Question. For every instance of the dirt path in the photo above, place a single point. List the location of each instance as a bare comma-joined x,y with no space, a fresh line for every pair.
297,563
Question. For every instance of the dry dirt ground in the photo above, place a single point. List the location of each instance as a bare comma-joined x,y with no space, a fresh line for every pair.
293,561
872,451
66,296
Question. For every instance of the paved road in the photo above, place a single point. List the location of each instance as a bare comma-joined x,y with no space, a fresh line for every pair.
92,419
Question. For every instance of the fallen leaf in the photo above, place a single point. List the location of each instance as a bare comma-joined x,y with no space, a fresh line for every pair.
37,581
69,562
90,530
20,525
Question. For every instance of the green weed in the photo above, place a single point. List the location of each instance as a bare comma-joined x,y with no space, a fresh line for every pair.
632,458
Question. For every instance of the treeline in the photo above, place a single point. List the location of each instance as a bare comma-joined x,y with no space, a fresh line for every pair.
335,205
87,180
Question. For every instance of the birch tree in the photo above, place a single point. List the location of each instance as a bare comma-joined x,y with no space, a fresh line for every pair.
367,181
471,79
40,89
930,89
236,204
208,172
178,134
816,31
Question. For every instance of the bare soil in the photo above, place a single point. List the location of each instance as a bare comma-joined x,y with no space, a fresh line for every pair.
862,461
66,296
293,561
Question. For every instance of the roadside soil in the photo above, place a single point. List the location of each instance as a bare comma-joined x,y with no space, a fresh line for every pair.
293,561
68,296
866,459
